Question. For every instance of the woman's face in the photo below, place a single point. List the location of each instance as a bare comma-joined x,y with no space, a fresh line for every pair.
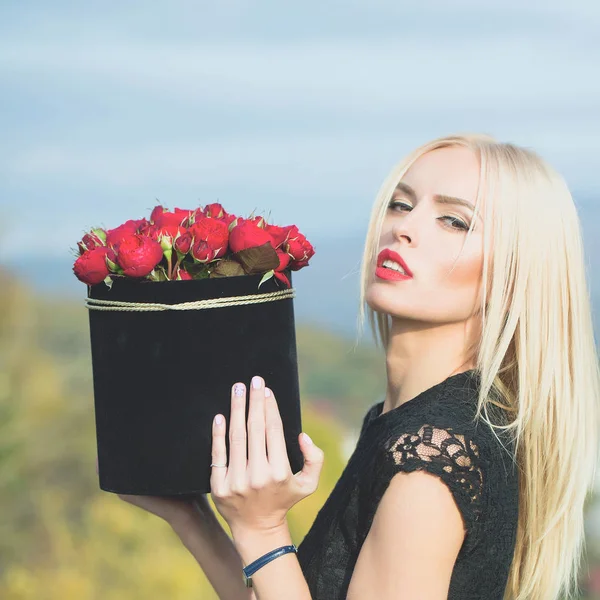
427,231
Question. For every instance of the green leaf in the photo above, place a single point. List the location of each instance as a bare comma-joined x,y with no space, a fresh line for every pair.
113,267
108,281
202,275
100,233
195,269
266,277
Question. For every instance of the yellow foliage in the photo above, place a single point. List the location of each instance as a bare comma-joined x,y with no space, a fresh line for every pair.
61,537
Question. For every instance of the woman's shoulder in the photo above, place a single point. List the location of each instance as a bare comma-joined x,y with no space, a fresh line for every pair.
447,415
441,434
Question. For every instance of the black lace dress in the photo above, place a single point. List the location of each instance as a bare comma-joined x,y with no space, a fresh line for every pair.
434,432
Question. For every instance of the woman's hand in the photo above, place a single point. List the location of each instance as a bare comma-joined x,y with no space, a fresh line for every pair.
255,492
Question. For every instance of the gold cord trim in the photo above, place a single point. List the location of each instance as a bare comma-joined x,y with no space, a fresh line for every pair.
96,304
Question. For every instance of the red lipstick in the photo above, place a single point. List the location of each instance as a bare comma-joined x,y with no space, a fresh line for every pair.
387,273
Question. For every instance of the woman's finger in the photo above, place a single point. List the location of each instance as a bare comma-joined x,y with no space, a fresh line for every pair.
257,452
218,454
237,436
276,446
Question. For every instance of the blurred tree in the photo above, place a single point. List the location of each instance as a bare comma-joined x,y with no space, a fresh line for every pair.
60,536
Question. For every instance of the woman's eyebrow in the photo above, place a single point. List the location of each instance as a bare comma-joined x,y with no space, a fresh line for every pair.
439,198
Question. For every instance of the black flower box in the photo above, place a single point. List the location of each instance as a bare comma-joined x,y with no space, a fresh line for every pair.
160,376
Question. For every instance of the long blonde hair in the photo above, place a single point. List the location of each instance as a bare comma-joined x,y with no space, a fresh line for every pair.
536,356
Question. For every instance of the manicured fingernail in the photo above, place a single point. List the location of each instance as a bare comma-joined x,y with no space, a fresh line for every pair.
256,382
307,438
267,392
238,389
219,419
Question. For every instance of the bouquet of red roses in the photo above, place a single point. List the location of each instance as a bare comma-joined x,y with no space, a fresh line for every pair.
181,306
191,244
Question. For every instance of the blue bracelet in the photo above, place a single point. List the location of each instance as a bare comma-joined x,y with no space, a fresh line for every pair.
263,560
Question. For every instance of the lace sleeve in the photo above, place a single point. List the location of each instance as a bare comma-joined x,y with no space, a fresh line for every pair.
451,456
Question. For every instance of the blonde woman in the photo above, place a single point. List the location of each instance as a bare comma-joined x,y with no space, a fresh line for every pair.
469,479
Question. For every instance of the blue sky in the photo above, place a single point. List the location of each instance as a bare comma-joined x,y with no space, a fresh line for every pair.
297,109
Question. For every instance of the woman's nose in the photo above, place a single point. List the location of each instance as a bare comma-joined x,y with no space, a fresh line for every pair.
400,231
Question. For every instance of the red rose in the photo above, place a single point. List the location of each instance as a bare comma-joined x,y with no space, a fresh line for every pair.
282,277
202,252
138,255
228,219
111,261
91,267
215,235
162,217
258,220
215,210
247,234
183,243
167,233
91,240
182,275
284,260
299,248
278,234
116,235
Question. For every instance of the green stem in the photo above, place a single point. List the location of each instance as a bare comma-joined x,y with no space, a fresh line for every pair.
179,259
169,274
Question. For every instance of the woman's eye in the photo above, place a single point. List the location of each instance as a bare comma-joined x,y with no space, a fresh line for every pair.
451,222
395,203
456,223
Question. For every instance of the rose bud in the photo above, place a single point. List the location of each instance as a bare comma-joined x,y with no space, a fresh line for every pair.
182,275
247,234
91,267
202,252
282,277
183,243
138,255
169,231
194,215
111,262
93,239
214,211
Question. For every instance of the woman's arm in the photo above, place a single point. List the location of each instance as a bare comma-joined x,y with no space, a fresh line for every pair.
282,577
202,534
413,542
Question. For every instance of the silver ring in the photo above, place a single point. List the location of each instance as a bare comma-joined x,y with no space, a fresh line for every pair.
214,465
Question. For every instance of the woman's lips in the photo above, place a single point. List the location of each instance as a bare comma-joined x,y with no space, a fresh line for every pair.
385,273
391,274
